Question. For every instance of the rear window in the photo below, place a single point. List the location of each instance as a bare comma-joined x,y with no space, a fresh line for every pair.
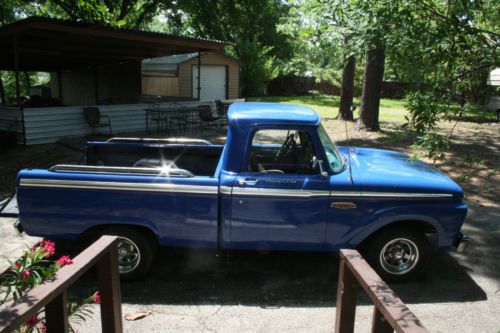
282,151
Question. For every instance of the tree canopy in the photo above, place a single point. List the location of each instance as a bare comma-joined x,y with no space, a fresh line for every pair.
442,49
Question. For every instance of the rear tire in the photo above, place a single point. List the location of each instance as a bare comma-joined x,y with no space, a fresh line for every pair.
136,251
398,254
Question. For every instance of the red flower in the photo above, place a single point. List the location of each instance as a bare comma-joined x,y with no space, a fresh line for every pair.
64,260
32,321
25,274
17,264
43,327
96,297
48,248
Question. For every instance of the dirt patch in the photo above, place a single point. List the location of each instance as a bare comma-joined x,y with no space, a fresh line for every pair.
22,157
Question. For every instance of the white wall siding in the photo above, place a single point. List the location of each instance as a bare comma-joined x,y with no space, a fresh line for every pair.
47,125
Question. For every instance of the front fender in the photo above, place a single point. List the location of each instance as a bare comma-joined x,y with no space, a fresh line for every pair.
446,218
384,221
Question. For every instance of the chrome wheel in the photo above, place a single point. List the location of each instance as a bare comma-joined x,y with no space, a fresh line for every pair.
129,256
399,256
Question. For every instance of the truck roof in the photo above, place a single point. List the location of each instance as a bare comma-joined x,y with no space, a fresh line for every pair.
253,113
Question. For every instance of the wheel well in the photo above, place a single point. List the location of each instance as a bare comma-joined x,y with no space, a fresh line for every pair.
91,233
419,226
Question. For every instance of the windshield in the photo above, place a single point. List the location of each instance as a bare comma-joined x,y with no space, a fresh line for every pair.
332,154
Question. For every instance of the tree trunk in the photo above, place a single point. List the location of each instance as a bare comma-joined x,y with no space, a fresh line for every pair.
370,98
347,89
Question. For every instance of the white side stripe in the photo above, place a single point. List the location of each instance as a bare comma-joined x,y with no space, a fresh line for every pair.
99,185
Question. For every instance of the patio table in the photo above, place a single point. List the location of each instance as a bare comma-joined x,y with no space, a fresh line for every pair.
178,117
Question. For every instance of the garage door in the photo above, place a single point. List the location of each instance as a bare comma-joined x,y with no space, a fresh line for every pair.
212,82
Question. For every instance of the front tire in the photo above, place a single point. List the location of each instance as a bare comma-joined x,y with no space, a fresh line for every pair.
398,254
136,252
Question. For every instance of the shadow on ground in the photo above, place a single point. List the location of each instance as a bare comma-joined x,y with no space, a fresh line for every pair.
194,277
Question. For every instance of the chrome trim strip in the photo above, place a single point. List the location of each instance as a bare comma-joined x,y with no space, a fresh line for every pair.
100,185
160,172
345,194
405,195
226,190
390,195
160,140
199,189
313,193
279,192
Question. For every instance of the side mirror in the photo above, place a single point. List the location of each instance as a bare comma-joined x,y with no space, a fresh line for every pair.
319,164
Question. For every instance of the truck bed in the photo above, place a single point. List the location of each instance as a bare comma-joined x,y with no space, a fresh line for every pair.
199,159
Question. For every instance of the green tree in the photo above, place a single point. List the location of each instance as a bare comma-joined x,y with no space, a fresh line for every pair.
126,13
446,49
349,29
250,26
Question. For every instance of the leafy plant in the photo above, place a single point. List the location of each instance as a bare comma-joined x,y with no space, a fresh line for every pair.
33,268
433,144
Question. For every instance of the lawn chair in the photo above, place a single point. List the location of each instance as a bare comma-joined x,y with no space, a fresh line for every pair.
206,115
222,108
95,120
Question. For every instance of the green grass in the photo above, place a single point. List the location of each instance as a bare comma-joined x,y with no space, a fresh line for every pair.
327,106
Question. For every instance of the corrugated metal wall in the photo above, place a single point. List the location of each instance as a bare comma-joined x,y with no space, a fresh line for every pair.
46,125
10,120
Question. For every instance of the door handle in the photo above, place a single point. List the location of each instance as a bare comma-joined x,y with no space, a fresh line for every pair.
248,181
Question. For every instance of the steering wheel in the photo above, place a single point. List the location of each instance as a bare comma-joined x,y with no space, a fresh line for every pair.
286,148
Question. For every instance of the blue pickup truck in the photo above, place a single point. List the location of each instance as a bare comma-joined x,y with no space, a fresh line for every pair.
277,184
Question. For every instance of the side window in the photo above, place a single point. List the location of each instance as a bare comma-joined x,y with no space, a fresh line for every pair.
282,152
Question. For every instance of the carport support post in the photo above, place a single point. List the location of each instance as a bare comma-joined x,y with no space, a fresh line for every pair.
199,75
16,69
96,84
59,85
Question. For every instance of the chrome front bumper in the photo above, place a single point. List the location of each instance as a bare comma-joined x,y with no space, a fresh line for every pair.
460,242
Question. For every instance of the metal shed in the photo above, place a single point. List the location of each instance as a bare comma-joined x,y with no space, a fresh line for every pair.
177,75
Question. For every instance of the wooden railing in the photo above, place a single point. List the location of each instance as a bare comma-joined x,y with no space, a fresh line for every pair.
390,313
52,294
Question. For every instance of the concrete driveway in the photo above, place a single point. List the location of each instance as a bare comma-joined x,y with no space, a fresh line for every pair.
195,291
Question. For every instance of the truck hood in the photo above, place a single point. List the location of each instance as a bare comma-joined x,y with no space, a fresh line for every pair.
379,171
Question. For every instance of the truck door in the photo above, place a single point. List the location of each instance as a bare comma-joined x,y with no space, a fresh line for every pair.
280,200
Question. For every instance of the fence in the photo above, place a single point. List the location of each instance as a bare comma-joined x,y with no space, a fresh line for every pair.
52,294
389,314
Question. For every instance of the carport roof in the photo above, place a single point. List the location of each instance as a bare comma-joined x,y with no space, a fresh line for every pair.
45,44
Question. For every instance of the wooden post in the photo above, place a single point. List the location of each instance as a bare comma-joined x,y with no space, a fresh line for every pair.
199,75
56,314
347,294
108,281
379,323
